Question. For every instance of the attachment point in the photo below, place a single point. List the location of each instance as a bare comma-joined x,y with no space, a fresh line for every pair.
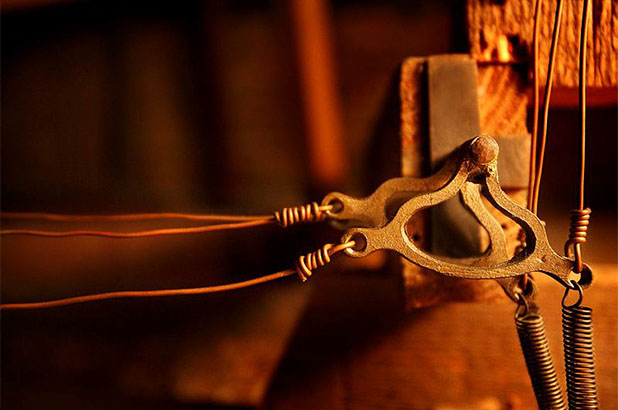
336,206
575,286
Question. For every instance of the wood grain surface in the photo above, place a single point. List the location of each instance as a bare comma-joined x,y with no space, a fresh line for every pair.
501,32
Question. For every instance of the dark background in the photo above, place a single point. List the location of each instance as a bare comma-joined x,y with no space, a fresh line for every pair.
196,106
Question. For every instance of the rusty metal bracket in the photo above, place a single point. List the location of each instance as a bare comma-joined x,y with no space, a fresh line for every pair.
471,199
373,210
477,165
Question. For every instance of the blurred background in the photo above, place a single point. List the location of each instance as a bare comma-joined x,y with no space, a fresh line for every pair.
232,107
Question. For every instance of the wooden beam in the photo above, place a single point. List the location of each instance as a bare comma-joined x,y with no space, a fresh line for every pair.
501,32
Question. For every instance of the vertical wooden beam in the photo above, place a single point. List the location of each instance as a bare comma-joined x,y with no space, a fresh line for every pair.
321,102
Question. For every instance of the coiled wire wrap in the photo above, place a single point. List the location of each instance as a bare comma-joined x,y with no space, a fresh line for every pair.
578,231
304,213
534,344
311,261
579,354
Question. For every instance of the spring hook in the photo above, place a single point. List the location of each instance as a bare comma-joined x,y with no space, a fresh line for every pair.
579,352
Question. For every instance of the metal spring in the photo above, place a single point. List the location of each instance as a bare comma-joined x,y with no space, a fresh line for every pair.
534,344
579,356
304,213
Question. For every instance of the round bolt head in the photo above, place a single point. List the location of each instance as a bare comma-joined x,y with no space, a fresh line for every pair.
484,149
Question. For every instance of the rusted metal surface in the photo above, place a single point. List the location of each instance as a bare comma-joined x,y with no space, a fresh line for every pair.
373,210
537,256
423,287
502,112
497,252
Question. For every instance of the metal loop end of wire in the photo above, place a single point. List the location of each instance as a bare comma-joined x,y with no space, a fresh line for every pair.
574,286
523,307
525,296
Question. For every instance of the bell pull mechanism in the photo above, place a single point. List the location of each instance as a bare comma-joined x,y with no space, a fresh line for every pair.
472,172
379,222
475,171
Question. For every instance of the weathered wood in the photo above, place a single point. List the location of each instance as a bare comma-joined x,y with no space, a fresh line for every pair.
501,32
502,107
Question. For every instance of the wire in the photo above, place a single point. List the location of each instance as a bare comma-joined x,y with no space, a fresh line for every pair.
546,99
128,217
146,293
582,97
535,127
286,217
141,234
302,270
535,93
580,218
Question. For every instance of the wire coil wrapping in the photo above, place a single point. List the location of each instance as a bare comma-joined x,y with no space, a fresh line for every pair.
578,231
534,344
579,356
304,213
580,219
308,263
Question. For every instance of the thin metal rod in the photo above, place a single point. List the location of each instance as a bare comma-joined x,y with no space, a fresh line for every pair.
146,293
546,98
127,217
141,234
535,96
582,97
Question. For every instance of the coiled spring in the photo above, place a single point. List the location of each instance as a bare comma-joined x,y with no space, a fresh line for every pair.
534,344
304,213
579,355
308,263
578,231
